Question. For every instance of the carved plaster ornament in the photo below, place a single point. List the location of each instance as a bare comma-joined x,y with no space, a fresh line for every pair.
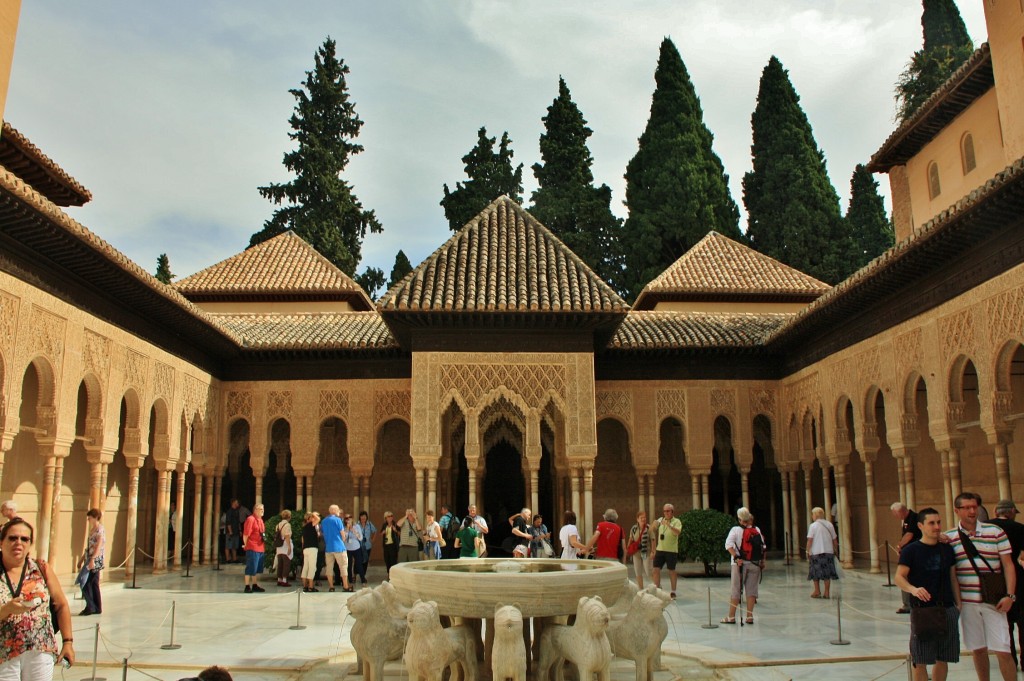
508,655
585,644
639,635
430,648
377,636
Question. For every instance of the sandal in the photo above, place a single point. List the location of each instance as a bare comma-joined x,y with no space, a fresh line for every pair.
348,590
750,620
815,595
728,620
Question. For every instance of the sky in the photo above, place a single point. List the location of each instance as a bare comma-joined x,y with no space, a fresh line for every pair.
173,113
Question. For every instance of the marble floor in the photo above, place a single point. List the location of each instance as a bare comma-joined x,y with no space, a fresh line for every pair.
215,623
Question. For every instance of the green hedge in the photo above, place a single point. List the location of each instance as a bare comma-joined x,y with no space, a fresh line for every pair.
270,551
703,538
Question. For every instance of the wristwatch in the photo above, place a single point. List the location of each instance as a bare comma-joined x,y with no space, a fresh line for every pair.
1012,597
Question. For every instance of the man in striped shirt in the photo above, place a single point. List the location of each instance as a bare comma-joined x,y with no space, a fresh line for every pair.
984,625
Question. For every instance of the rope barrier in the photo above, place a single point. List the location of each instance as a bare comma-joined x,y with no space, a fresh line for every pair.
899,666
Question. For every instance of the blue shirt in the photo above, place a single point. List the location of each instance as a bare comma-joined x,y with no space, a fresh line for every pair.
330,528
368,531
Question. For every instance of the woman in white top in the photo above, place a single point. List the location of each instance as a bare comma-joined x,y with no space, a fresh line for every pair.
432,537
284,553
569,537
822,544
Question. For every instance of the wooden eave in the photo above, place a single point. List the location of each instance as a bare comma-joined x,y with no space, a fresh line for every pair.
651,300
25,160
355,298
970,82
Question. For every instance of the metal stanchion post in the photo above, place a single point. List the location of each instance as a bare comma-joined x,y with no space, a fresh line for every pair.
188,563
124,670
786,548
839,620
135,570
298,611
172,645
710,624
95,652
888,567
910,668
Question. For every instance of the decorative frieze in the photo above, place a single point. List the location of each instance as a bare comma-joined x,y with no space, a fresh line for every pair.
671,403
909,354
9,306
136,368
533,382
48,331
617,404
956,334
389,404
723,402
163,381
239,404
279,404
96,354
1004,315
762,401
333,403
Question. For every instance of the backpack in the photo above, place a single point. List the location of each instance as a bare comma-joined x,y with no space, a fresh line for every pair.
752,545
278,537
451,530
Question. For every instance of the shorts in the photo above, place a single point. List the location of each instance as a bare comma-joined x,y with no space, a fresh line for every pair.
339,557
309,563
984,627
32,664
665,559
231,542
521,550
944,650
253,563
747,576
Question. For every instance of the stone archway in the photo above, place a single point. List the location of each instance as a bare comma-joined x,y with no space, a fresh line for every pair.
672,482
724,490
764,483
615,481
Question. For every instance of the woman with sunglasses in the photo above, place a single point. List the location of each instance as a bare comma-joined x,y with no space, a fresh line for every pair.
92,560
28,646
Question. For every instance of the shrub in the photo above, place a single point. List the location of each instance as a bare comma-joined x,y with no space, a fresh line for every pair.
703,537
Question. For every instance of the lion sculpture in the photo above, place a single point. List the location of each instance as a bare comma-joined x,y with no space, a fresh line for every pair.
395,606
377,636
638,636
585,644
431,648
508,655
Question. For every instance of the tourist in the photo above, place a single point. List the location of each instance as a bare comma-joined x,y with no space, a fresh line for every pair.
9,510
252,544
310,551
353,538
666,551
389,541
822,544
481,528
450,527
926,572
92,560
569,537
745,545
1006,512
431,538
409,535
29,647
211,674
540,539
521,536
980,547
608,541
334,547
640,539
368,531
236,516
909,531
465,540
283,553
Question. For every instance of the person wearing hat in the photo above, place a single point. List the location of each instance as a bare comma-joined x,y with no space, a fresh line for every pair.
1006,514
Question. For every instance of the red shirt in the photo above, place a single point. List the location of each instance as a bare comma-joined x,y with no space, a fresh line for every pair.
609,541
254,529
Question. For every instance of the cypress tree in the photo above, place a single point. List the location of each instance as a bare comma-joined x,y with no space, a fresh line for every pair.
867,224
792,208
401,268
490,176
566,200
371,280
676,186
946,46
318,204
163,269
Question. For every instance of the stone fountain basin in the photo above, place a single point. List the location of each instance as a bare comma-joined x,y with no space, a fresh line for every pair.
540,587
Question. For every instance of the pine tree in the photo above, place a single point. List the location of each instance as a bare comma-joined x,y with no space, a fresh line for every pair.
946,46
866,220
792,208
490,176
163,269
401,268
566,200
318,204
676,187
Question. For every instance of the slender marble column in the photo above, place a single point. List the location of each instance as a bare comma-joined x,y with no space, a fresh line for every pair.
826,486
420,479
259,490
162,511
695,490
901,481
309,492
652,510
104,468
705,485
869,482
641,497
808,504
211,482
46,508
364,487
179,518
845,530
201,557
795,532
1002,470
588,497
745,487
908,476
432,489
574,482
58,487
95,485
947,486
956,484
299,480
133,518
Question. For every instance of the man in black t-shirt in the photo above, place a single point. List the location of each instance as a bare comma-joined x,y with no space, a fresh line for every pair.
1006,513
927,574
521,532
909,532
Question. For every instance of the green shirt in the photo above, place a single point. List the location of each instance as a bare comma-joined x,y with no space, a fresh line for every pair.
668,540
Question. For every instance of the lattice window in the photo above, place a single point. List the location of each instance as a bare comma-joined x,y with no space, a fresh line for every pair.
967,157
934,187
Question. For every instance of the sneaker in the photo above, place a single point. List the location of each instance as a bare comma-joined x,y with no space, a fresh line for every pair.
256,588
314,590
248,589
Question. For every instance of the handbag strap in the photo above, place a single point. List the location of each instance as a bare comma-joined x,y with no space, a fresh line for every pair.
971,550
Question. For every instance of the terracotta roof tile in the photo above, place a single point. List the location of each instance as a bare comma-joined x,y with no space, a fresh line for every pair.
313,331
503,260
285,265
646,330
717,265
26,160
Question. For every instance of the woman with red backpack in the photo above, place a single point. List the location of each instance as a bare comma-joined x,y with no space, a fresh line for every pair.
746,546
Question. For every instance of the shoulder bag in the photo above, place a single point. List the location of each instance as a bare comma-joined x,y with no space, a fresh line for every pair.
992,583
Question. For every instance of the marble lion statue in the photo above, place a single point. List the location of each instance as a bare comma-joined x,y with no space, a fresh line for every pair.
508,656
638,636
585,644
395,606
431,649
377,636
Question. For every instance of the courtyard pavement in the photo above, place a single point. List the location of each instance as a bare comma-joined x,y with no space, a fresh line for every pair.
215,623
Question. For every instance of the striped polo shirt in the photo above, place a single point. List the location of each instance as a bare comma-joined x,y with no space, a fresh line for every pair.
991,543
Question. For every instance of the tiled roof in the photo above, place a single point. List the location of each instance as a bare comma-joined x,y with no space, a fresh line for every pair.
503,260
313,331
24,159
717,265
649,330
973,79
283,266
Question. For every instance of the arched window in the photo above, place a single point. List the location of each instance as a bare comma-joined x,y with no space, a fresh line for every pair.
934,188
967,153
